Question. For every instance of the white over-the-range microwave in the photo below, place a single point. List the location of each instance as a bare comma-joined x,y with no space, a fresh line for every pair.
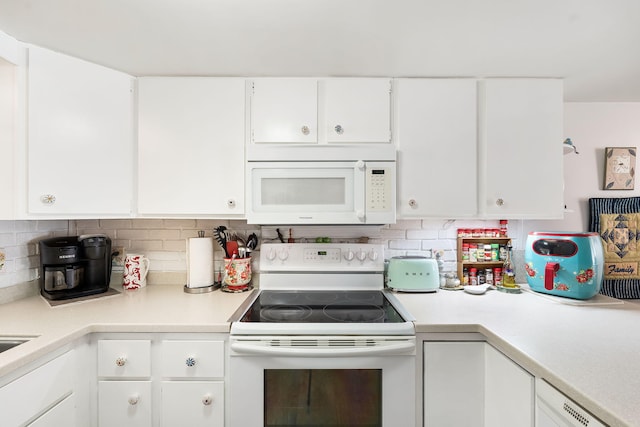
321,192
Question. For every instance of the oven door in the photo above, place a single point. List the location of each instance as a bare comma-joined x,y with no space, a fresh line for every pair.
322,381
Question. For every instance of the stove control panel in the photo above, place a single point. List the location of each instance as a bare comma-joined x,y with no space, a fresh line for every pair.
321,256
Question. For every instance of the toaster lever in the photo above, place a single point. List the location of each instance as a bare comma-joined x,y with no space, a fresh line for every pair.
549,274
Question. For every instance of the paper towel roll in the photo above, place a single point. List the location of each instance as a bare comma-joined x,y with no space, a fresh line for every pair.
200,262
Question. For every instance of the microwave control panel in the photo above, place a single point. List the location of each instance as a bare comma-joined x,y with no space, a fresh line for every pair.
379,185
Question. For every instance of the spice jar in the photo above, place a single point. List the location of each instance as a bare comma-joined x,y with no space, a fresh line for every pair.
503,227
473,276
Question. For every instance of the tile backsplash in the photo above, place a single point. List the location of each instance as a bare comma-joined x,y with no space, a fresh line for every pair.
163,241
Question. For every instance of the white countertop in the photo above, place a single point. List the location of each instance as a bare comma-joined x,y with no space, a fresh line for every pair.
589,352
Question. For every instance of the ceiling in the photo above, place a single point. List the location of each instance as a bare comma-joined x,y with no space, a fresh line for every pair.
592,44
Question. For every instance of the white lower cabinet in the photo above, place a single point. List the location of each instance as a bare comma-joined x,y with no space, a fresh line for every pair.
470,383
36,398
162,380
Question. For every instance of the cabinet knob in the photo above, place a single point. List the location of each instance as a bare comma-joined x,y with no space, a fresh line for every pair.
121,361
191,361
231,203
133,399
499,202
305,130
339,129
207,400
413,203
48,199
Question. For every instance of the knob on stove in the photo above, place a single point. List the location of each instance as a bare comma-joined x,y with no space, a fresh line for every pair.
373,255
349,255
283,254
361,255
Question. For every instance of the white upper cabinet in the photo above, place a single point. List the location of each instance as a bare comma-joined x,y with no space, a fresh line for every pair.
357,110
320,111
191,146
7,138
80,137
436,137
521,149
284,110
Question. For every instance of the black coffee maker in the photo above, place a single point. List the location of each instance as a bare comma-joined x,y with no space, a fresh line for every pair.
74,266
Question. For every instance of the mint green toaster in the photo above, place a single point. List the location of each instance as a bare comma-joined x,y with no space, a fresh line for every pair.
413,274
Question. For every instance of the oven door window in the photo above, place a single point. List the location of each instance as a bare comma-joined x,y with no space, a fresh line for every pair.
323,397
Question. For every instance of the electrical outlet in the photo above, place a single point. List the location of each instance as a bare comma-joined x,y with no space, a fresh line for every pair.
118,260
2,258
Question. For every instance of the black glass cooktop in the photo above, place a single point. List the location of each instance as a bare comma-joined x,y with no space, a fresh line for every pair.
322,307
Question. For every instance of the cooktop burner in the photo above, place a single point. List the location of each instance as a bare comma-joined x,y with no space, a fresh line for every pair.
284,306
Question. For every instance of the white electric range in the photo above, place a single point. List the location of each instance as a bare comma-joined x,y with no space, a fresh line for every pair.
322,343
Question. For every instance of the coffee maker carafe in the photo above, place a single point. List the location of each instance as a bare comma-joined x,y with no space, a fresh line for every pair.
74,266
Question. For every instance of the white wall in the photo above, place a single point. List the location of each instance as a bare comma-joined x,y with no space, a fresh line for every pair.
592,126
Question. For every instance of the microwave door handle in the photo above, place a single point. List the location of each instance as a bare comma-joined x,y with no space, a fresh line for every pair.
400,348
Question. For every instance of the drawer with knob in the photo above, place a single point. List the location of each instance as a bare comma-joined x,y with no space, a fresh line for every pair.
124,403
193,403
124,358
192,359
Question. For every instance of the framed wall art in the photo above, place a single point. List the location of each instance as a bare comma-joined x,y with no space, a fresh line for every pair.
619,168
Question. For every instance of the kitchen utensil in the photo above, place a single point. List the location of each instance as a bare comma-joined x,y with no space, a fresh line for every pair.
252,241
280,237
413,274
232,248
221,237
565,264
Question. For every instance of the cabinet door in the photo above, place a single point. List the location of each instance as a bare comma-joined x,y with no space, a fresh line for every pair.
357,110
62,414
80,136
191,146
522,158
32,394
284,111
509,396
193,403
124,403
437,147
7,144
453,375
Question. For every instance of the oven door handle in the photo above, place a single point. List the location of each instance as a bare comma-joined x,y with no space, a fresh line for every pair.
252,349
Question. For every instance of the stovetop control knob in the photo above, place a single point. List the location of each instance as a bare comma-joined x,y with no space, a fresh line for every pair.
271,255
349,255
283,254
361,255
373,255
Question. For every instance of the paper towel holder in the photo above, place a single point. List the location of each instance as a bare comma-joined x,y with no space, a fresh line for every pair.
202,289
